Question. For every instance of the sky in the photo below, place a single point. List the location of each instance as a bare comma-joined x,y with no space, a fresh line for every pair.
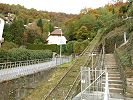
66,6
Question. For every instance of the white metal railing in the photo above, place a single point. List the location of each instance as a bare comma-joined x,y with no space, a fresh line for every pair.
94,81
57,61
98,89
106,92
22,63
95,90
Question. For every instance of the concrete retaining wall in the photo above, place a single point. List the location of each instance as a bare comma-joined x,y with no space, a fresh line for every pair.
18,88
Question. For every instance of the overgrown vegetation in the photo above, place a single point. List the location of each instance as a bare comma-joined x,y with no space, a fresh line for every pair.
125,58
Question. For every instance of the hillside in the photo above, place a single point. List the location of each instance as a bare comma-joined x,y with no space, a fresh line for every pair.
76,27
84,33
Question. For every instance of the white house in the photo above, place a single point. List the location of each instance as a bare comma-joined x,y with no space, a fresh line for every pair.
56,37
1,30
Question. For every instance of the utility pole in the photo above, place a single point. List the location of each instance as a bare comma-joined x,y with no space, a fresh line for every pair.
60,45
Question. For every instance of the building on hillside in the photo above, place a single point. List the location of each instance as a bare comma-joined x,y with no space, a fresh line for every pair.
56,37
9,18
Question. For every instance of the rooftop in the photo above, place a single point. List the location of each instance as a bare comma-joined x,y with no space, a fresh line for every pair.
57,32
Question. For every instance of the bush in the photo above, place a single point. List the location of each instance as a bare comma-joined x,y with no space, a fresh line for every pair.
76,47
40,54
125,58
22,54
79,47
69,47
9,45
52,47
3,55
18,54
63,50
130,12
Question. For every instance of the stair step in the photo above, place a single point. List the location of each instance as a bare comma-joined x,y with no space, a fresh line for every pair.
116,95
115,90
114,75
113,85
115,99
113,81
114,72
111,67
110,64
113,78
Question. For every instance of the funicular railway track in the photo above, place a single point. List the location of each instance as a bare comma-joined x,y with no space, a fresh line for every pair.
65,89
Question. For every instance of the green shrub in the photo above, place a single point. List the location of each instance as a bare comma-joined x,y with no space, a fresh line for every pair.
21,54
3,55
40,54
9,45
76,47
18,54
125,58
69,47
52,47
79,47
63,50
130,12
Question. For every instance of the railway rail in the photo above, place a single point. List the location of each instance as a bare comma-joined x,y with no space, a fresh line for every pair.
66,89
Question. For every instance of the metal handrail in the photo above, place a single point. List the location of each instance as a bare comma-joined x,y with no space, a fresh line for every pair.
106,92
94,81
98,72
22,63
106,88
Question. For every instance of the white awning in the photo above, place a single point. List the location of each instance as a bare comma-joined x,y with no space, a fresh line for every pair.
56,40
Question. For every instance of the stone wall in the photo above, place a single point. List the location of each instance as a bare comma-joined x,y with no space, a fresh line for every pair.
18,88
129,91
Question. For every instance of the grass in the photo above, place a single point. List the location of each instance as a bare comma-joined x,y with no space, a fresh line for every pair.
44,87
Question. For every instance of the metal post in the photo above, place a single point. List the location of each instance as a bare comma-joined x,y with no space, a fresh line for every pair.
95,78
60,46
81,83
56,60
60,53
125,37
89,78
92,60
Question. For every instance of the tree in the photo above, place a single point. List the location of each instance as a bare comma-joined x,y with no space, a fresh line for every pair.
17,30
8,36
69,47
32,33
82,33
40,24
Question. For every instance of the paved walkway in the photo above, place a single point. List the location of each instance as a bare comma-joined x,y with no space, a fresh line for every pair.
12,73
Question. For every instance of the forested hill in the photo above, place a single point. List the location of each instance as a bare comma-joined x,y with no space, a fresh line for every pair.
79,28
29,15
